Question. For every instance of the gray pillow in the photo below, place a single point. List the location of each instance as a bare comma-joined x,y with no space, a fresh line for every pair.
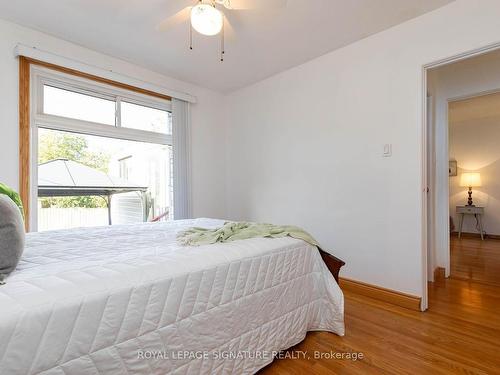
11,236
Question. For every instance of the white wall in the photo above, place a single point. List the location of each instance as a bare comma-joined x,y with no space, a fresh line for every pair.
464,78
207,119
305,146
474,144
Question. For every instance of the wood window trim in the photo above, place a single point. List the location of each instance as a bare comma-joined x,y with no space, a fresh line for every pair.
24,118
24,137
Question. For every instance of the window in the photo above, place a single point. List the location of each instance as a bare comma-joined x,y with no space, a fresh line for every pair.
63,98
105,109
103,154
86,180
137,116
61,102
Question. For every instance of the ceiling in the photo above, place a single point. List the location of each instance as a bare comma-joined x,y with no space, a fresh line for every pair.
263,43
474,109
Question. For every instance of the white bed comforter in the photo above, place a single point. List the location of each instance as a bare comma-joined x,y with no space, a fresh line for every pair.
129,300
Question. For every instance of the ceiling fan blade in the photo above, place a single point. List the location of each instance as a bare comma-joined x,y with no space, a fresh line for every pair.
176,19
255,4
228,29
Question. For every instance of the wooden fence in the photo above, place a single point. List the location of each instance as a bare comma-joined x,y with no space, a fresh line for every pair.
62,218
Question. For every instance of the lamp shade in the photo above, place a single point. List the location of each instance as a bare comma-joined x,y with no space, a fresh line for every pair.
470,179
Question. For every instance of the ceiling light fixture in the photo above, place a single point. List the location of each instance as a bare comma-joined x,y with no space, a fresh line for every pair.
206,19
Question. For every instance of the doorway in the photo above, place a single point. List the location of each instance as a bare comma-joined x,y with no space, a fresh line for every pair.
463,154
474,132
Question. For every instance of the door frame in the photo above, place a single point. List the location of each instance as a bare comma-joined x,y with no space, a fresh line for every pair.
425,157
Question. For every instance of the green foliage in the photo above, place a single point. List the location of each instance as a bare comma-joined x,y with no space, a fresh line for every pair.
68,202
58,145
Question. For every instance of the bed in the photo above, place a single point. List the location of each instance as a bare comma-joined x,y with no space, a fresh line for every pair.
129,300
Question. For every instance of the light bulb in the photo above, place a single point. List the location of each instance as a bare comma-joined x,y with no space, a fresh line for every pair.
206,19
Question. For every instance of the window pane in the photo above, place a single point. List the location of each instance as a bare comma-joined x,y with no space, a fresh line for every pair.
146,118
79,174
71,104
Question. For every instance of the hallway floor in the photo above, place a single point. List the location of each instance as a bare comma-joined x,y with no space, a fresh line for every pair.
473,259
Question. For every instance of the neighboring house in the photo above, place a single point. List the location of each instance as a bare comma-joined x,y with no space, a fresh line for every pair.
153,171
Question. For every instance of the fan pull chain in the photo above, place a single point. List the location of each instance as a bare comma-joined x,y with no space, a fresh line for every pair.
190,36
222,51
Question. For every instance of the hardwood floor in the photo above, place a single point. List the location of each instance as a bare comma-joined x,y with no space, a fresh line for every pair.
473,259
459,334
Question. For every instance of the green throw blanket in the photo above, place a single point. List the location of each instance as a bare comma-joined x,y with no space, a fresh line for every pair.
232,231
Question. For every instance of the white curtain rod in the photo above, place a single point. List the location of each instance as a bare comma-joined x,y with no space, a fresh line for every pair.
52,58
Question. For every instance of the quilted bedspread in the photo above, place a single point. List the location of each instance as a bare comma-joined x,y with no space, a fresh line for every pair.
129,300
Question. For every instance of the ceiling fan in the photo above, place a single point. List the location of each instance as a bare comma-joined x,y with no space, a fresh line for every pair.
210,17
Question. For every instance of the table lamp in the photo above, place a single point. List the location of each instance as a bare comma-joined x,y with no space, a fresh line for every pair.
470,179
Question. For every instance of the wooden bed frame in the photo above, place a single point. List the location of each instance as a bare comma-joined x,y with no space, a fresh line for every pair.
334,264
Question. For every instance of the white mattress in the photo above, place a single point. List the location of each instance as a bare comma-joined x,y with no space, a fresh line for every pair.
128,300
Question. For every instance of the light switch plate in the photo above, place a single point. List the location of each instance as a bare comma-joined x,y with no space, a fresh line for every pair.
387,150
